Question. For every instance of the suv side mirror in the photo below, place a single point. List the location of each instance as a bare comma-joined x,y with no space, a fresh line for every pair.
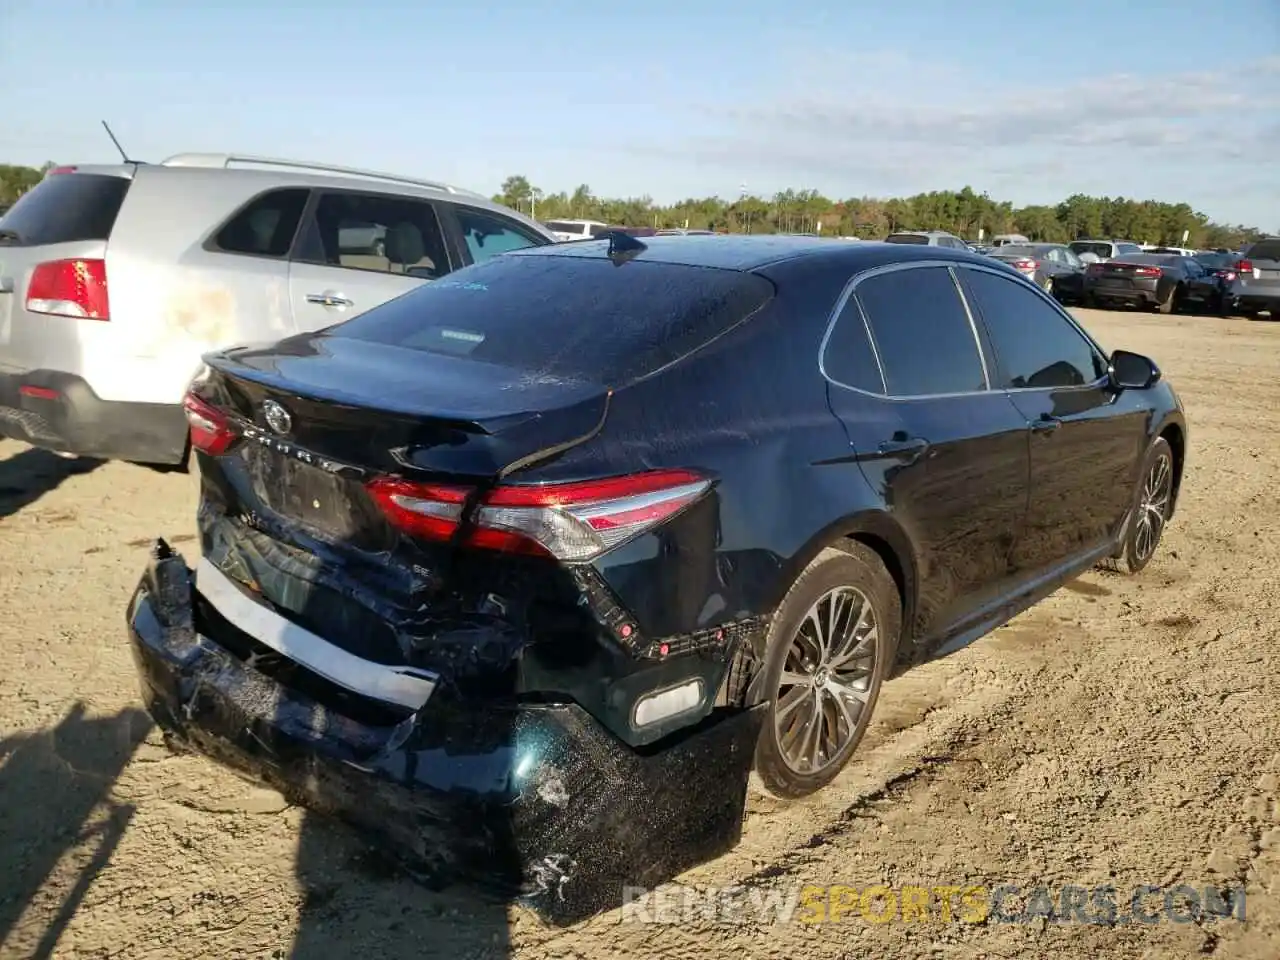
1132,371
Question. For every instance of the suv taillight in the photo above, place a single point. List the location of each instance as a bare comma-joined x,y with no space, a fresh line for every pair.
70,288
1244,266
569,521
211,431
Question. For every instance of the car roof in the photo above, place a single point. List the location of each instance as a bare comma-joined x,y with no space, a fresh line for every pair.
751,252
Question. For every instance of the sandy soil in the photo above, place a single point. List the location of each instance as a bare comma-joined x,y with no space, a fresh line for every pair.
1126,731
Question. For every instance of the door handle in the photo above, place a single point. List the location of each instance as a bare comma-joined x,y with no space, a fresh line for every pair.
908,450
1046,424
328,299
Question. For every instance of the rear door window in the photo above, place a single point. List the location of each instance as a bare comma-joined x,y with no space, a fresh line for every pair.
266,227
487,235
66,208
376,232
922,332
573,317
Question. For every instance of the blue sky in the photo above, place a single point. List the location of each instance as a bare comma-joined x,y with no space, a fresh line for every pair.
1031,102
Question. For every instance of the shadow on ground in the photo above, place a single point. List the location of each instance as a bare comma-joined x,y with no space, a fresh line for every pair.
56,814
360,905
29,474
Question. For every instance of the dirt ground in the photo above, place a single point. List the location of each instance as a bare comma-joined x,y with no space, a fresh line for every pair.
1125,731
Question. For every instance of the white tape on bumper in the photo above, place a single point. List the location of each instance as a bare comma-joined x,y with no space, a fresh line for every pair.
399,685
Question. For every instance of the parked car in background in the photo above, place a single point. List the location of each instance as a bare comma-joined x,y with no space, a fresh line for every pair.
683,232
1009,239
569,230
934,238
499,599
1050,266
1175,251
1256,286
118,277
1165,282
1224,267
1104,249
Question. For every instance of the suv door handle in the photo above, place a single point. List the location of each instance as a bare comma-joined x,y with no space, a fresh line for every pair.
330,299
908,450
1046,424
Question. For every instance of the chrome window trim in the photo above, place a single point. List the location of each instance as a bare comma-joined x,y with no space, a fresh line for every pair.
850,289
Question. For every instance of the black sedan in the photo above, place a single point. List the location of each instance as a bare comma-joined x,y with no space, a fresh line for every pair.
1164,282
525,570
1051,266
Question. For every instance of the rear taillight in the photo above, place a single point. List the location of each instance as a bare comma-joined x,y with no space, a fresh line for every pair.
1094,269
568,521
1148,272
211,431
1225,274
1026,265
70,288
1244,266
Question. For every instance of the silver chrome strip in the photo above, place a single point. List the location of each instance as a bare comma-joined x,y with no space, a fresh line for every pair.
404,686
973,325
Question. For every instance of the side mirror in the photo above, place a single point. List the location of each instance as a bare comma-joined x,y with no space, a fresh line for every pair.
1132,371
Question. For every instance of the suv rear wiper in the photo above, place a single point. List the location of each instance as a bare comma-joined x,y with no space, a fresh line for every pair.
10,236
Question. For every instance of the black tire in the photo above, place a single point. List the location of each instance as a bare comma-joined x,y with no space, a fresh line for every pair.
1134,553
857,569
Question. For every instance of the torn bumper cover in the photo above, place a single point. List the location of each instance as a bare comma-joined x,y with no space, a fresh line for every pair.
535,801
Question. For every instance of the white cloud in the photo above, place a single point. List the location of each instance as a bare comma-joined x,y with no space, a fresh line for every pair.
1157,134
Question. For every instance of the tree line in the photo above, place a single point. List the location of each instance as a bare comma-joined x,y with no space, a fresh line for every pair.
962,212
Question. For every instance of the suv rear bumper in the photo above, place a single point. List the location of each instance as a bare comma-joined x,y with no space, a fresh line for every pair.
1253,302
531,800
59,411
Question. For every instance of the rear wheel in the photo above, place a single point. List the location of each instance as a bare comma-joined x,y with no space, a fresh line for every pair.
1152,502
1170,303
1047,285
829,647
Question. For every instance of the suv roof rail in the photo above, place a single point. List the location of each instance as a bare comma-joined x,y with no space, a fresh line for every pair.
228,159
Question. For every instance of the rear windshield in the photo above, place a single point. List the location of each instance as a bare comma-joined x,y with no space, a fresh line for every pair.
1268,249
1217,261
1084,246
65,208
906,238
580,318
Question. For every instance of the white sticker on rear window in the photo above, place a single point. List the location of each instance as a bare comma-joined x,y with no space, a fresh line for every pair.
464,335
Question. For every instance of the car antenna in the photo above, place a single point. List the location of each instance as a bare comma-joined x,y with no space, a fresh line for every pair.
123,156
623,247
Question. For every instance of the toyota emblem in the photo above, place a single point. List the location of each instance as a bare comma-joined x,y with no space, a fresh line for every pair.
278,418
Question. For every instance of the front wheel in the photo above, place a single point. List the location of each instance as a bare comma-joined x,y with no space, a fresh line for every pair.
829,648
1152,503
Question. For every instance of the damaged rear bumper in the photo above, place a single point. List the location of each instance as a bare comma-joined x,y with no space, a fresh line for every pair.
530,800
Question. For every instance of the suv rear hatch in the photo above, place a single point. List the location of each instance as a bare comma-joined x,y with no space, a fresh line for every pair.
1259,270
53,265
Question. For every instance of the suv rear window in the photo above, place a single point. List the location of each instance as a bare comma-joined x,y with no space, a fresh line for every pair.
579,318
1268,249
906,238
65,208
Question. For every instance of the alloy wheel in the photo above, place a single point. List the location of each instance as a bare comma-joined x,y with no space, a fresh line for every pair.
826,680
1154,508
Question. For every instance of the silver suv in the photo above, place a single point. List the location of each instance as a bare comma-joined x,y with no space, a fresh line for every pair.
933,238
114,280
1256,286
